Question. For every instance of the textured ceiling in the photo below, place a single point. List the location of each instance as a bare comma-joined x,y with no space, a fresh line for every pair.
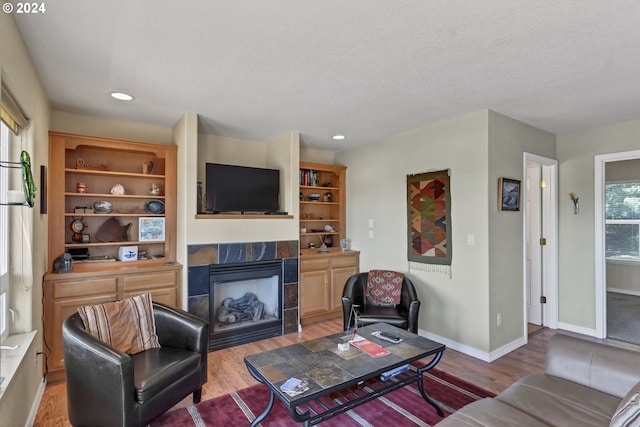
369,69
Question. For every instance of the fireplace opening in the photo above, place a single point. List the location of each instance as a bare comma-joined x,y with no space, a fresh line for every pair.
245,301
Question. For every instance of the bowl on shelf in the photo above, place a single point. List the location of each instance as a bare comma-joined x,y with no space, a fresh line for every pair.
102,207
154,207
314,197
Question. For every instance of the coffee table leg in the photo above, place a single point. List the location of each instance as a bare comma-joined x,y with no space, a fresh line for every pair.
425,396
266,411
269,405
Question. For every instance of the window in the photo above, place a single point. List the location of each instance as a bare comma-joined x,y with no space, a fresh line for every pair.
622,220
4,233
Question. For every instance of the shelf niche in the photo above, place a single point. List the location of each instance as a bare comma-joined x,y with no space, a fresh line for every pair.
83,170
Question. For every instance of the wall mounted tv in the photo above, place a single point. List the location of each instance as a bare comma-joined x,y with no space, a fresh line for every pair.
242,189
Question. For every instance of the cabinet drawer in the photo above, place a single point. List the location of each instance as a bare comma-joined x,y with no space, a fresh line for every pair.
314,264
164,296
162,279
77,288
350,260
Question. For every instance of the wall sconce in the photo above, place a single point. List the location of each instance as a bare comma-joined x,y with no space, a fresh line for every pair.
576,204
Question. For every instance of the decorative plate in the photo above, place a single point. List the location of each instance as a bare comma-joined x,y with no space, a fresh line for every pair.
154,207
102,207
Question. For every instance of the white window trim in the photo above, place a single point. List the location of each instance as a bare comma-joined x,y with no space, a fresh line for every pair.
5,325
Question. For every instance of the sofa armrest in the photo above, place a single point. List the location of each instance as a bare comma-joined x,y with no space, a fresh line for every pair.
606,368
179,329
111,375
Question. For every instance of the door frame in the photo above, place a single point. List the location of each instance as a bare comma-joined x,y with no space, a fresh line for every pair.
600,261
549,169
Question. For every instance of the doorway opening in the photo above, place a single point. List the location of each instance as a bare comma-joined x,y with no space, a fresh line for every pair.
540,249
619,268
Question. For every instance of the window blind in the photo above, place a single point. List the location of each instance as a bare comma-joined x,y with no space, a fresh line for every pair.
10,112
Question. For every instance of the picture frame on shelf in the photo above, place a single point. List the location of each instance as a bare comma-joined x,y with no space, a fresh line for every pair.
508,194
151,229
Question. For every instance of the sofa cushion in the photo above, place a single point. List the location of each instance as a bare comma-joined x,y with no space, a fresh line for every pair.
560,402
384,287
490,412
127,325
609,369
628,411
158,368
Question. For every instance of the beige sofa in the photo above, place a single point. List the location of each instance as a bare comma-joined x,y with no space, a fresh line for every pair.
584,384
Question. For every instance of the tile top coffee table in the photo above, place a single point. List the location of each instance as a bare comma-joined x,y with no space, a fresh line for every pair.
331,372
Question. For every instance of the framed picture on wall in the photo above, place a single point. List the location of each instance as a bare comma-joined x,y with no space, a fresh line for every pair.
508,194
151,229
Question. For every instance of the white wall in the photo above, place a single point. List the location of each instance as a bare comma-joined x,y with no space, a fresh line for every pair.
456,307
576,152
28,259
487,276
316,156
109,128
508,140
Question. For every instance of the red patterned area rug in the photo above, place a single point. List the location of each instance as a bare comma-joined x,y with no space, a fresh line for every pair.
403,407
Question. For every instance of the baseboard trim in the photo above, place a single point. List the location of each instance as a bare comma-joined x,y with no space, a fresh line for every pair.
577,329
624,291
36,403
472,351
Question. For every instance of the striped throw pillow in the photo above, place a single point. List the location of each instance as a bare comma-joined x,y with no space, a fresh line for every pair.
628,412
128,325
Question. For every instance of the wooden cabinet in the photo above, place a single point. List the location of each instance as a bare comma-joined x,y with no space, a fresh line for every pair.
84,171
322,279
65,292
327,183
323,275
130,179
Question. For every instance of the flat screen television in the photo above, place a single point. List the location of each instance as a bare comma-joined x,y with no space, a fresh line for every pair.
242,189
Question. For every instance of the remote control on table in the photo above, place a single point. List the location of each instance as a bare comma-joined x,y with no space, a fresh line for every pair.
388,337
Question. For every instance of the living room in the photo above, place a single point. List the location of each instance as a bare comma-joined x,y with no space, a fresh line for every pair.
478,146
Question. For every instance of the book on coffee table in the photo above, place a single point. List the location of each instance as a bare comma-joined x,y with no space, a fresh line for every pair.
371,348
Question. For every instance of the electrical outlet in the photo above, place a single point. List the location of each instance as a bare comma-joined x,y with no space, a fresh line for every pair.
499,319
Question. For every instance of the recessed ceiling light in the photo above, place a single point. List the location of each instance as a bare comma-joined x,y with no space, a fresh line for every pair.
121,96
338,137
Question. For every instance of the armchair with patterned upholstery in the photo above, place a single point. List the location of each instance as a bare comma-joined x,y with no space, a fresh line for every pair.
380,296
109,387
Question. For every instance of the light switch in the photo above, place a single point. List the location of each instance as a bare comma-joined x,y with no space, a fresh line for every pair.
370,234
471,239
370,223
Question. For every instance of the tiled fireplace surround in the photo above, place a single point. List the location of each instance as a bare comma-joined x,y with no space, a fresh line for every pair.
203,255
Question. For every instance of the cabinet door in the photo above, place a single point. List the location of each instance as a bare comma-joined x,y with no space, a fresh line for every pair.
314,292
61,309
162,295
163,286
339,277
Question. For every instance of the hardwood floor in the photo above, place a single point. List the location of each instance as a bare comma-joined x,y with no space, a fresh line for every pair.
227,372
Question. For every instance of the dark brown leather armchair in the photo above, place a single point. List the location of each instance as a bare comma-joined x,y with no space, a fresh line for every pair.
403,315
106,387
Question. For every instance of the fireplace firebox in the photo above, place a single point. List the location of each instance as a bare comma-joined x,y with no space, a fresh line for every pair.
245,303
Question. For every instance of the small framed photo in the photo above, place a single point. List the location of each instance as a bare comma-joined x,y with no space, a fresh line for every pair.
151,229
508,194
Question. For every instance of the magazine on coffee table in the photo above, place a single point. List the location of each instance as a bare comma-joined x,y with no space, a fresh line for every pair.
371,348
